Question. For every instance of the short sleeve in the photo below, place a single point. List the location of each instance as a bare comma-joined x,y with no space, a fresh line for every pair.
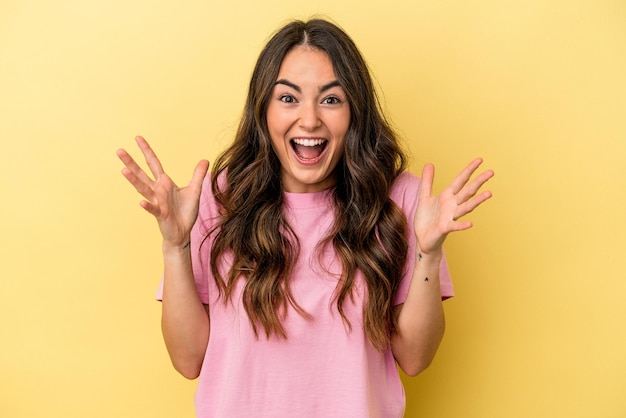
405,194
199,246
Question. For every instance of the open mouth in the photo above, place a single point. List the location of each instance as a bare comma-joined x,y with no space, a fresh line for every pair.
308,149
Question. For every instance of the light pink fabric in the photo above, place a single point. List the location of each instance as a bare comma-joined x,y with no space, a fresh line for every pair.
323,369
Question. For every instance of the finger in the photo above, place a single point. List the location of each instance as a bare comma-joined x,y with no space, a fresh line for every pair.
461,226
463,177
474,186
472,204
141,186
426,184
150,208
199,173
130,163
153,161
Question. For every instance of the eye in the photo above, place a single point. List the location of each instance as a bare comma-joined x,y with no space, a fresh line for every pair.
287,98
331,100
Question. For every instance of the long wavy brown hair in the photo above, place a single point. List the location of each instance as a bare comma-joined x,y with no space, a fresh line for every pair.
369,230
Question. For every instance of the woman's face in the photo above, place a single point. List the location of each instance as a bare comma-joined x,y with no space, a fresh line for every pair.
307,117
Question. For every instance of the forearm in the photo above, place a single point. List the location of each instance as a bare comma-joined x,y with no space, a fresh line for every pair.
184,321
420,320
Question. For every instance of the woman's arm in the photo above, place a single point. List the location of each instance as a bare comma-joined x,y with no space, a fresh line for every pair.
185,321
420,320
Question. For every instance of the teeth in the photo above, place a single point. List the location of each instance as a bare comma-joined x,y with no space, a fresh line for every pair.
309,142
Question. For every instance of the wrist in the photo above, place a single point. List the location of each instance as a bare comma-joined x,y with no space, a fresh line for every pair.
170,248
431,256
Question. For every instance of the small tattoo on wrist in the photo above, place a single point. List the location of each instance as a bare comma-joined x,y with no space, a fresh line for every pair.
419,256
186,245
426,279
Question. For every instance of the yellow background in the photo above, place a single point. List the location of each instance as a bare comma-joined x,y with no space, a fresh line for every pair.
537,88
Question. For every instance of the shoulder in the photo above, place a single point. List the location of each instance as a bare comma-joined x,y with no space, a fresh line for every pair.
209,208
207,194
404,189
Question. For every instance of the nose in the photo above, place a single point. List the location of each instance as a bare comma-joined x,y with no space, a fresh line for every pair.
309,118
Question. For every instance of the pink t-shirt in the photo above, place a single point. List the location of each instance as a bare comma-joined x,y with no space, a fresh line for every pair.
323,369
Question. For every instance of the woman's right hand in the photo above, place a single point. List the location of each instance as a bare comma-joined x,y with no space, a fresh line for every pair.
174,208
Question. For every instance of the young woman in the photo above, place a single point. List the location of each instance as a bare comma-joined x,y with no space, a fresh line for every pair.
308,264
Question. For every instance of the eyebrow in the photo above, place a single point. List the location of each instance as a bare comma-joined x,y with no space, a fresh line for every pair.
299,90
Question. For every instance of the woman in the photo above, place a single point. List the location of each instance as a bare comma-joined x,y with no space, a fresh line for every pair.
309,262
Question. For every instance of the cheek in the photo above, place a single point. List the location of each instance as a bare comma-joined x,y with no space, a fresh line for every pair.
279,146
341,124
277,122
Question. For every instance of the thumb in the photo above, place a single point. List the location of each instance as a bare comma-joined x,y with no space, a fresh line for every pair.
199,173
426,184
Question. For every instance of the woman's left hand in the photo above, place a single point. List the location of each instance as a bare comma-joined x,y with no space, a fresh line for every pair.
437,216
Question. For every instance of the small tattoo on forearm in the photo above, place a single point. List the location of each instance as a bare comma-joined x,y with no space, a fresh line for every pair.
426,279
419,256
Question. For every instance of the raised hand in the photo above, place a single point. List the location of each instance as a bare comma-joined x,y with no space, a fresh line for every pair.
174,208
437,216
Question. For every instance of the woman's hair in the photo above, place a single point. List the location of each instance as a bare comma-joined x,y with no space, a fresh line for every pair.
369,229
